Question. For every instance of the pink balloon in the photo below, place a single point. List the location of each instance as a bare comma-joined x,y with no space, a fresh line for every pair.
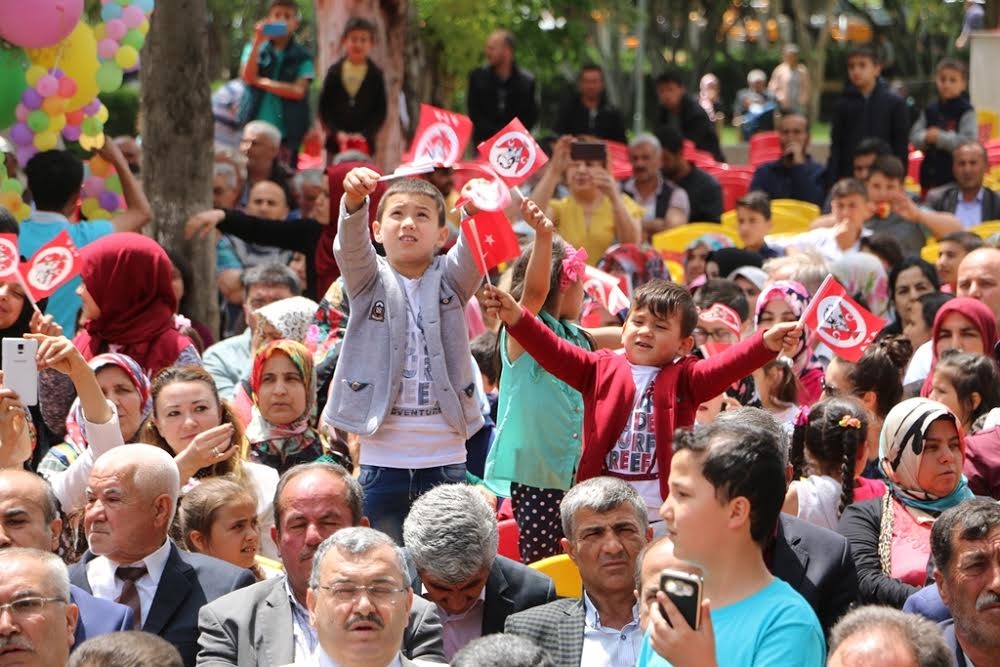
45,24
133,16
93,186
71,133
107,48
47,86
21,112
115,29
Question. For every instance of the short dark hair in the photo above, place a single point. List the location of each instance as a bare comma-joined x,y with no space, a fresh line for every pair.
670,139
359,23
508,38
870,145
741,460
271,275
925,267
970,373
889,166
971,520
847,187
758,201
591,67
54,179
671,75
952,64
796,114
864,51
726,292
291,4
930,304
502,650
968,240
353,497
131,648
412,186
883,246
663,299
484,351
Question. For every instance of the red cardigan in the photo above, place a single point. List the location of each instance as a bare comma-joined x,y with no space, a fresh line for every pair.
605,380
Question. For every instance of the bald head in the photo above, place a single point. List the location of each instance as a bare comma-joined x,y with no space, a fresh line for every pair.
979,278
151,468
29,512
267,200
656,557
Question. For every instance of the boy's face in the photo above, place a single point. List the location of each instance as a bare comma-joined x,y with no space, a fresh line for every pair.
750,291
862,164
753,227
950,83
863,72
949,257
654,341
882,188
854,209
282,14
670,94
696,520
409,229
357,45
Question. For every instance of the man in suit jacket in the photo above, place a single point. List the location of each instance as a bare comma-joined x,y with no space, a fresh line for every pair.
132,494
29,517
267,624
971,201
451,537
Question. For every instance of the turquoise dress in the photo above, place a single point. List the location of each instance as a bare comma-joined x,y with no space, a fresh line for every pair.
539,421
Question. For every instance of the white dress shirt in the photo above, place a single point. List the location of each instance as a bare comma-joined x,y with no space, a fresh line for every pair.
609,647
105,584
323,660
306,642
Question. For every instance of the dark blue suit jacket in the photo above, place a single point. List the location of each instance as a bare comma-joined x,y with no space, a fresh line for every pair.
927,602
189,581
97,616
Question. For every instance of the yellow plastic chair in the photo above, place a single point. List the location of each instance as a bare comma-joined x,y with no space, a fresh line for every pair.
676,270
783,221
986,229
989,124
807,209
564,575
675,241
930,252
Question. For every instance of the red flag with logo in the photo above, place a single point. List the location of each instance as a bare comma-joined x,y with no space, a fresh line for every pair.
492,239
490,194
55,264
513,154
605,292
837,320
10,256
440,138
620,166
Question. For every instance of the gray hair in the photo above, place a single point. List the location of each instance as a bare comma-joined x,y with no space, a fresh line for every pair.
264,128
600,494
807,267
309,177
132,648
228,172
645,139
353,493
357,541
756,418
921,636
155,470
271,275
56,576
232,156
502,650
451,533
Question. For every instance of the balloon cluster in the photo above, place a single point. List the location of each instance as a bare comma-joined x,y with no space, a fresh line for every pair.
41,114
11,195
102,190
119,39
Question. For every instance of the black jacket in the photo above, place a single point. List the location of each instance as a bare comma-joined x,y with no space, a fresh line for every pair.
882,114
494,103
945,199
574,118
694,124
364,113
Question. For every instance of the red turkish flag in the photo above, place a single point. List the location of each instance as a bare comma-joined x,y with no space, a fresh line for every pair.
10,256
838,320
440,138
513,154
492,239
491,195
55,264
620,167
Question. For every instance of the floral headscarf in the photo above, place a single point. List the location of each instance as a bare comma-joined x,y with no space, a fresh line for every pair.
638,264
797,297
863,275
76,432
282,446
292,317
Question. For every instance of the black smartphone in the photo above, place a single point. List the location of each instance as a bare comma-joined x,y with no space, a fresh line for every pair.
588,151
684,590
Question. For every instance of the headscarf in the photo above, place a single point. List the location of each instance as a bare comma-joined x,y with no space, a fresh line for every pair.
863,275
901,448
282,446
797,297
705,94
129,277
973,310
292,317
713,241
76,432
637,263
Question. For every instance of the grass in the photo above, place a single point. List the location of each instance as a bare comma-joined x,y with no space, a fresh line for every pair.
820,134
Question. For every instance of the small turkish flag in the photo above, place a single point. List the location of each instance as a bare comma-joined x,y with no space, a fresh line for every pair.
492,239
838,320
440,138
621,166
513,154
10,256
55,264
489,194
605,289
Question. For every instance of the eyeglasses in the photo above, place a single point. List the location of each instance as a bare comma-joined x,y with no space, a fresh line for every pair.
701,336
351,592
27,606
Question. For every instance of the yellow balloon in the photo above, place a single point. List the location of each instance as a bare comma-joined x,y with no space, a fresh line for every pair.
45,141
144,26
34,73
22,212
127,57
78,60
57,123
102,114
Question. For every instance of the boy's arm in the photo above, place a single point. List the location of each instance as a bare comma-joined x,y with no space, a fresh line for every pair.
353,249
573,365
919,131
968,130
461,271
710,377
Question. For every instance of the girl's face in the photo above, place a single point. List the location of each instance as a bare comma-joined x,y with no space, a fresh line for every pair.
11,303
941,461
233,536
694,264
943,391
775,311
914,326
957,332
571,304
89,310
282,393
177,283
183,410
911,284
118,388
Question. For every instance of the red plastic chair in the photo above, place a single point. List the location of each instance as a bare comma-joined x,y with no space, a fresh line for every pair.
509,536
764,147
913,165
734,185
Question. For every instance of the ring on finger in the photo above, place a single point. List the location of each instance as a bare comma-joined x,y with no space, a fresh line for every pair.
215,451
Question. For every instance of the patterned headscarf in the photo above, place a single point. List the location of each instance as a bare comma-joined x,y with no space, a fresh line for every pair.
638,264
797,297
76,431
283,445
292,317
863,275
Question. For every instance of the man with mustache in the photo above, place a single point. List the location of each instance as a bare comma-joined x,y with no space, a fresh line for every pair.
965,543
606,526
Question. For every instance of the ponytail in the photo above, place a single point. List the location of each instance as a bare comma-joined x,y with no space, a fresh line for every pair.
836,429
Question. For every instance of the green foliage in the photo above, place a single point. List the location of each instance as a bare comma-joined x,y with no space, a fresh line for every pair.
123,110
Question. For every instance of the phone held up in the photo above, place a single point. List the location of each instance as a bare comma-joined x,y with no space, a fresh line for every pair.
275,29
588,151
20,370
685,591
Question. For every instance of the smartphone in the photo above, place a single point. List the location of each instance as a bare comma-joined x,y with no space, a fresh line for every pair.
20,369
684,590
275,29
588,151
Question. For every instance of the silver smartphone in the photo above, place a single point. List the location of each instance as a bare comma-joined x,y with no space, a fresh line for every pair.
20,369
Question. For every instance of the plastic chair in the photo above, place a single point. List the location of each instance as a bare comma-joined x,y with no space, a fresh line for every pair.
930,252
564,575
734,184
985,229
509,537
806,209
764,147
676,270
675,241
916,158
989,124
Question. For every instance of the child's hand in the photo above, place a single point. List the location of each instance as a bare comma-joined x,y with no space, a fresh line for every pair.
783,337
931,135
358,184
535,217
905,208
501,305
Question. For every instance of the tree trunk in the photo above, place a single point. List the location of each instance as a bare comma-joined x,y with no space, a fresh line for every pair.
389,17
177,139
813,51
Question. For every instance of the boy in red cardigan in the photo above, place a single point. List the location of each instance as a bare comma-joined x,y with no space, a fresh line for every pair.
637,397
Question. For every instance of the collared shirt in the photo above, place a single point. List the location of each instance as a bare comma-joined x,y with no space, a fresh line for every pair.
323,660
823,241
609,647
457,630
970,213
678,198
306,641
105,584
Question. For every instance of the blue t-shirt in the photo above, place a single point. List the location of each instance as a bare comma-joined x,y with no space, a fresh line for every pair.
42,227
774,626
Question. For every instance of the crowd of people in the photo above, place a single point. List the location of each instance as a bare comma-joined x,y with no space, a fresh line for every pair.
331,477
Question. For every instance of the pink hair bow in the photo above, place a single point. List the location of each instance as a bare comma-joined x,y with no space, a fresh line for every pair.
574,265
